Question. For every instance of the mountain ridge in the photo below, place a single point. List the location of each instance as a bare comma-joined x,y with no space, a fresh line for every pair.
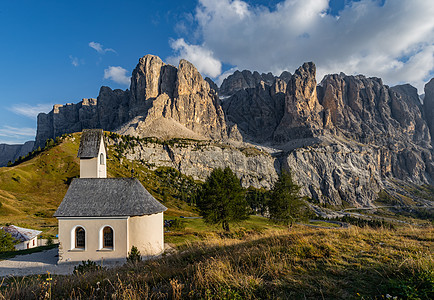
344,139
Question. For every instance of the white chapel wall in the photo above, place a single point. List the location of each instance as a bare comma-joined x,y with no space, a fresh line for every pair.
147,234
89,167
92,249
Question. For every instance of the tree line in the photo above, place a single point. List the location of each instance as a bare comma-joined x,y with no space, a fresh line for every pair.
222,200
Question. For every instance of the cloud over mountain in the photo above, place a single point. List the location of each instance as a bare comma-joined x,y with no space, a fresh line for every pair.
393,40
117,74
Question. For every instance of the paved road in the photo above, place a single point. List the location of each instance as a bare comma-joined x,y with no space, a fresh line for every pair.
41,262
35,263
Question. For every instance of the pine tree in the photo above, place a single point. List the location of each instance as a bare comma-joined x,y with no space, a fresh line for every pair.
6,242
285,204
221,199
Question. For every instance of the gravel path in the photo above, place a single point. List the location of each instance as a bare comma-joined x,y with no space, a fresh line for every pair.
35,263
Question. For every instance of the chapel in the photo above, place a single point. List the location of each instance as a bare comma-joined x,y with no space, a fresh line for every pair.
102,218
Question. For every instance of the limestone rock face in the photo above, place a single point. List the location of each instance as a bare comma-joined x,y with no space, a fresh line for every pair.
343,140
257,111
212,84
198,159
302,112
334,172
246,79
13,152
428,105
66,119
175,98
366,111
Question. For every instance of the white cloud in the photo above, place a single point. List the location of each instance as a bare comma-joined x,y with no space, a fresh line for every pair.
394,41
199,56
100,48
14,135
31,111
74,61
117,74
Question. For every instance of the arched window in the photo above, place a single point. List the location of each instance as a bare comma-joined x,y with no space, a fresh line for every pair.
80,241
107,235
101,159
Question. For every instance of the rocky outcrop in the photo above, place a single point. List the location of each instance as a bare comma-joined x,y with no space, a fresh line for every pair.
302,112
428,105
198,159
175,98
10,153
344,140
246,79
323,128
66,119
179,99
257,111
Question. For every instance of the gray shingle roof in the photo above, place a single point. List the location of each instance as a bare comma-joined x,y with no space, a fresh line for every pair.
105,197
90,142
21,234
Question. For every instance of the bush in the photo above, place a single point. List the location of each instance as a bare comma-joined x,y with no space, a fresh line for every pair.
176,224
7,242
134,256
416,286
87,266
49,241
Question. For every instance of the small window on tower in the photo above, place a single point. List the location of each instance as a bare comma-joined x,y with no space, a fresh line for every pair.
101,159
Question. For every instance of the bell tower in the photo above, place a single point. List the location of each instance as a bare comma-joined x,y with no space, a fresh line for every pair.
93,154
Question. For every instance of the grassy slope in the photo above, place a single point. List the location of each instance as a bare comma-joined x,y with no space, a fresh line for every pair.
257,260
31,191
303,263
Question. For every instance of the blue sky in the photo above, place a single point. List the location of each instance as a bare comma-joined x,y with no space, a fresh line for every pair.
55,52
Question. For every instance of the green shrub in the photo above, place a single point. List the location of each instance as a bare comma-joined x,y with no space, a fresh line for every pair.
87,266
134,256
177,224
7,242
416,286
49,241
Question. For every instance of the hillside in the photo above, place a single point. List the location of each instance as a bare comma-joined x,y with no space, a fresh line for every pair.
31,191
302,263
171,170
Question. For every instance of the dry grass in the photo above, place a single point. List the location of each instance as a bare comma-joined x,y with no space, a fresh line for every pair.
302,263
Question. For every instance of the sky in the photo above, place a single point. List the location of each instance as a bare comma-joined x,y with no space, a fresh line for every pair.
60,51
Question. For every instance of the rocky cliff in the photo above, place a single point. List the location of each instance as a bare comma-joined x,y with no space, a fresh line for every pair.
428,105
246,79
163,101
10,153
344,139
198,158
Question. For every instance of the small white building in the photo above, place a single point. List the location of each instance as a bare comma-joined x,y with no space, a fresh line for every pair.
28,238
102,218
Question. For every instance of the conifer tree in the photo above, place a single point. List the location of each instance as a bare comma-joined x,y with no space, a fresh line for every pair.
221,199
285,204
7,242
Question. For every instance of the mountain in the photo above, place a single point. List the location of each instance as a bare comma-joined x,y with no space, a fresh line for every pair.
10,153
344,139
163,101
